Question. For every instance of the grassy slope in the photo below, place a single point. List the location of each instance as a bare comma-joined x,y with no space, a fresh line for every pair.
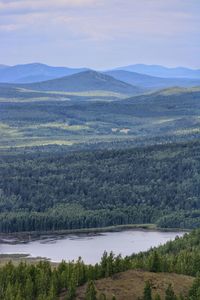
129,285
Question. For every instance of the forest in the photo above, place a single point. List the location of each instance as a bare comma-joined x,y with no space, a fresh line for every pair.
51,191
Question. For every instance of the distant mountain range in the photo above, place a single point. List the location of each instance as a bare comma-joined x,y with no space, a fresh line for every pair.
160,71
3,67
151,82
35,72
131,79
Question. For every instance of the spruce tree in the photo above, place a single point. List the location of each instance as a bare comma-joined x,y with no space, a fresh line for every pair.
102,296
147,291
91,293
29,288
169,293
155,265
9,295
194,292
157,297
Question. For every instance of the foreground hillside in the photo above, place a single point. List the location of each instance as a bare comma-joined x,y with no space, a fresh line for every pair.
129,285
156,184
155,269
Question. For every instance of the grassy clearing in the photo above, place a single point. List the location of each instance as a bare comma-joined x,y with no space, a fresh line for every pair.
187,131
58,125
17,258
31,143
91,94
97,93
7,131
164,120
29,100
129,285
177,90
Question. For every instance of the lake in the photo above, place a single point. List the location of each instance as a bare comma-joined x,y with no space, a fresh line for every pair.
89,246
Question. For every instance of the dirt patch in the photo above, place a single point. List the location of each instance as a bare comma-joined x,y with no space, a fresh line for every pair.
129,285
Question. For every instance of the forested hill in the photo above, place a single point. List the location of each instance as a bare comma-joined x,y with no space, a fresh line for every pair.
84,81
157,184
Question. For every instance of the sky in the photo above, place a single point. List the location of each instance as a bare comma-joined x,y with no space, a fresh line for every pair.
100,34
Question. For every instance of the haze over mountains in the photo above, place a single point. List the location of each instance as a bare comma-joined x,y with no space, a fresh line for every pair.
83,82
34,72
125,80
89,107
161,71
151,82
3,67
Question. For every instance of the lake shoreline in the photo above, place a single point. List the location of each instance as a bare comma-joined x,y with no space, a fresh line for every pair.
35,235
54,247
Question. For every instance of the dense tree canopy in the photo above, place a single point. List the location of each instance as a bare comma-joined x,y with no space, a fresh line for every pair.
100,188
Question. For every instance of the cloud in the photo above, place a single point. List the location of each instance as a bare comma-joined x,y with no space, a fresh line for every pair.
9,27
29,6
99,20
112,28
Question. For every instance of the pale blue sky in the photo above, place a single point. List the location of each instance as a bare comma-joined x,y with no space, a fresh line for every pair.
100,33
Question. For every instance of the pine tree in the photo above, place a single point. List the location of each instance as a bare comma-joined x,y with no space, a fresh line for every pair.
91,293
29,289
194,292
169,293
102,296
155,265
19,296
157,297
147,291
9,293
52,293
71,290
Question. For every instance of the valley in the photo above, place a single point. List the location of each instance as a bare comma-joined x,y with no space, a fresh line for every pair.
93,161
99,150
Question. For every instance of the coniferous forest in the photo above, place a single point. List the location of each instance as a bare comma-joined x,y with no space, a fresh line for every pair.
90,189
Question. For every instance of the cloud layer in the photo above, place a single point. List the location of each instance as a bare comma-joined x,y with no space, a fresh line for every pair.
100,33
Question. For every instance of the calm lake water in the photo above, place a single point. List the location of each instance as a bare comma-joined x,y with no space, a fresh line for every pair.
89,247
